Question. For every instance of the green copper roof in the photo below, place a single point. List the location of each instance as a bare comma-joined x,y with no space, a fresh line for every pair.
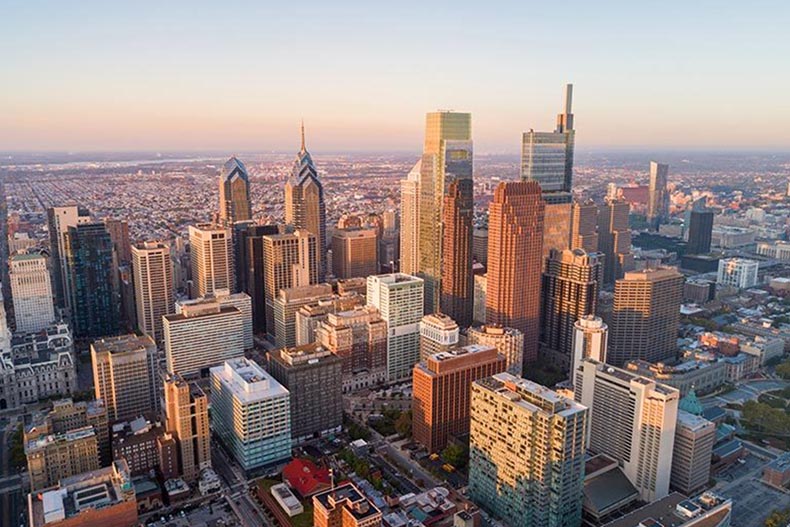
691,404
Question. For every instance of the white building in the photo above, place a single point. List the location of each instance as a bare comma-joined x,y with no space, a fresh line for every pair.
241,301
251,413
31,291
399,299
738,272
211,256
590,338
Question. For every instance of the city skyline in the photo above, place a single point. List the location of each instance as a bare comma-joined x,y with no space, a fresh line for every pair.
160,78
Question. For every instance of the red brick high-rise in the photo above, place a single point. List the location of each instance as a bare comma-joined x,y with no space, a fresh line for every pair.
515,248
457,300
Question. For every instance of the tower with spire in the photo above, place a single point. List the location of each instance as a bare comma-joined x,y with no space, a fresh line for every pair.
304,202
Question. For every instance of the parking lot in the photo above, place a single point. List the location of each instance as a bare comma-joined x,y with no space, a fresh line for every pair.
753,501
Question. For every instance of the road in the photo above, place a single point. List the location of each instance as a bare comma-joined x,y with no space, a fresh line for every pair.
746,391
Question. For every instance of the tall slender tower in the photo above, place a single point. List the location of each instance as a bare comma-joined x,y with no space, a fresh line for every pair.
614,239
304,203
457,282
410,221
584,226
153,284
447,156
658,199
211,253
59,219
515,234
234,193
186,411
547,157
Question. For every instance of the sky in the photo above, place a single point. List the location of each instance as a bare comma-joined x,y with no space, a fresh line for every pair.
239,76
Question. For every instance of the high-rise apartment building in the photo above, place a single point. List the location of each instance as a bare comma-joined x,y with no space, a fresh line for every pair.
289,260
354,253
410,221
691,456
590,341
59,219
304,204
186,418
201,335
438,332
547,157
442,386
95,303
645,316
527,447
234,193
633,420
125,375
509,342
584,226
457,281
515,234
738,272
251,414
658,195
253,273
614,239
399,298
344,506
447,157
31,291
570,291
57,456
314,377
153,285
211,255
288,302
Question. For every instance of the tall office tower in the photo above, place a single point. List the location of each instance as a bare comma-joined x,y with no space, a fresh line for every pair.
359,337
153,283
252,275
354,253
584,226
658,197
442,386
119,233
186,417
590,341
289,260
251,413
527,447
57,456
202,335
480,245
410,221
547,157
288,302
234,193
438,332
645,316
59,219
700,232
344,506
95,303
313,376
447,157
304,204
457,281
240,301
515,234
509,343
399,298
614,239
691,456
632,419
570,292
31,290
125,376
211,255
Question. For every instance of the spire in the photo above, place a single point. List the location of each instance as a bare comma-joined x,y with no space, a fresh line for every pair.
303,146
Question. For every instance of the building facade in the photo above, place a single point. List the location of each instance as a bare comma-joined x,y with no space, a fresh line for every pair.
186,418
53,457
658,197
509,342
354,253
211,258
31,292
410,221
738,272
438,332
457,281
693,450
234,193
286,305
153,287
614,239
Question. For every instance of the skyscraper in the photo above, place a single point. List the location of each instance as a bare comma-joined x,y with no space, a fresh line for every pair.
570,292
59,219
95,302
645,316
584,226
410,221
590,341
125,376
253,269
447,156
547,157
186,417
438,332
211,254
153,284
700,231
457,282
658,198
691,455
632,419
119,233
354,253
234,193
31,290
399,299
515,233
614,239
304,204
527,447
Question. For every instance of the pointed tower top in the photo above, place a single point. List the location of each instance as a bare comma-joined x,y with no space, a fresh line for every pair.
304,149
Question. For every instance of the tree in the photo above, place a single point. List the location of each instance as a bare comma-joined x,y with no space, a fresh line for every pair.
455,455
783,370
778,518
403,424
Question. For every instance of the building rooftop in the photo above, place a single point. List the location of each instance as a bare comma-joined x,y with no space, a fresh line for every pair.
348,496
675,510
123,344
608,491
529,395
247,381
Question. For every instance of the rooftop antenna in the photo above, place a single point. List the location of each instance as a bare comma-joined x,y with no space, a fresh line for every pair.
303,146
